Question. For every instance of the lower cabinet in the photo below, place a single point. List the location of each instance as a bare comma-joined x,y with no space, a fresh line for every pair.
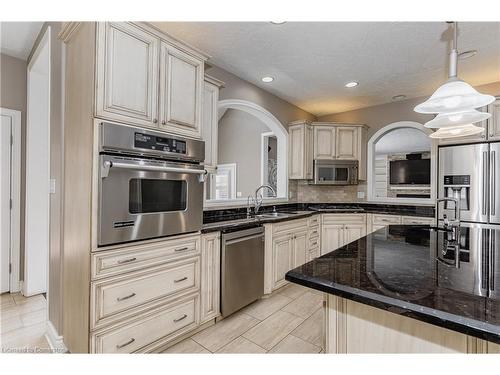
288,245
338,230
210,276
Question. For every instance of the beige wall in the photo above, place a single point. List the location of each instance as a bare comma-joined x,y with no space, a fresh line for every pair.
378,116
237,88
13,96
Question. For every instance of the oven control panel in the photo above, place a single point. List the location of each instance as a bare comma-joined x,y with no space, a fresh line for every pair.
151,142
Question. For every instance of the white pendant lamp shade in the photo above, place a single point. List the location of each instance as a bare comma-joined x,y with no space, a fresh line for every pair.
454,96
443,120
457,131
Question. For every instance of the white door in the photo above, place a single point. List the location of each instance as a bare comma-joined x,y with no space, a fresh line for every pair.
354,232
296,141
346,143
5,157
324,142
299,248
282,259
209,131
181,92
332,237
127,73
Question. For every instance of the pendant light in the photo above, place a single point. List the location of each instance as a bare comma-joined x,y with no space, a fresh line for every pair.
457,131
455,102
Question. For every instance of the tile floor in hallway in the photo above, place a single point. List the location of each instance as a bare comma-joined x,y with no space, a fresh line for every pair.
23,323
291,320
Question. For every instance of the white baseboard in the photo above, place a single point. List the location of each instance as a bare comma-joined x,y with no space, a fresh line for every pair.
54,339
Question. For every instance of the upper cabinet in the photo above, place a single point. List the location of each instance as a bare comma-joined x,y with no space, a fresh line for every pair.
324,142
145,78
300,151
127,73
181,90
346,142
494,120
209,128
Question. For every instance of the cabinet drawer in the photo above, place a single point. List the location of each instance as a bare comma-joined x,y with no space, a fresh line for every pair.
313,242
122,296
313,221
288,226
417,220
313,232
344,218
163,324
114,262
379,219
313,254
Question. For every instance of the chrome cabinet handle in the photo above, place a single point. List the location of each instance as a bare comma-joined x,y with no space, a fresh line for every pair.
181,249
314,244
126,297
181,318
485,181
492,260
155,121
119,346
493,182
126,260
164,122
179,280
115,164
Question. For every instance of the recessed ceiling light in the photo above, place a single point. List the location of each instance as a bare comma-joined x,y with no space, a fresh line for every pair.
399,97
351,84
267,79
467,54
278,22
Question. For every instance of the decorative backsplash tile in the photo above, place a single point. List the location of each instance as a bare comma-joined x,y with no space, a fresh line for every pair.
328,193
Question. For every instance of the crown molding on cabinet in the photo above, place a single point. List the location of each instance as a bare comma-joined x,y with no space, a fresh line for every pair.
68,29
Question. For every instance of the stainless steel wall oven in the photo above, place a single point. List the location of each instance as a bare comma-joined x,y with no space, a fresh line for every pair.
150,184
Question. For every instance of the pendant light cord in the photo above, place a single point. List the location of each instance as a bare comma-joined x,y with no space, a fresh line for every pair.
454,53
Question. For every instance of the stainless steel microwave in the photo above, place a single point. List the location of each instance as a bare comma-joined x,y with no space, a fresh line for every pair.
335,172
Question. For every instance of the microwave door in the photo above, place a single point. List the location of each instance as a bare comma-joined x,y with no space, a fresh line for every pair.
494,183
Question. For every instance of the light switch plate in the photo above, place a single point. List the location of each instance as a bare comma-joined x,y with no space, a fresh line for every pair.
361,194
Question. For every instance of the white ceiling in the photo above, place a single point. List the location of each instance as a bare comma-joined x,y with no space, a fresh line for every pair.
17,38
403,140
312,61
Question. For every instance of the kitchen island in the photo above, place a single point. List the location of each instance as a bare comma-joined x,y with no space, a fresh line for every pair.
408,289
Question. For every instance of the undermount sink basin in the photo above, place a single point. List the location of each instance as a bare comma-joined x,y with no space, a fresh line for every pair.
273,214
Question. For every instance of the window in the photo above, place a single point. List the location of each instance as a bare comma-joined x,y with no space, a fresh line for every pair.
225,181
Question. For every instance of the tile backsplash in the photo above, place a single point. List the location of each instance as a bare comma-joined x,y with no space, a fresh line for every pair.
328,193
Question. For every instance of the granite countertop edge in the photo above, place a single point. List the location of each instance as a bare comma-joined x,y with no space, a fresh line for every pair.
468,326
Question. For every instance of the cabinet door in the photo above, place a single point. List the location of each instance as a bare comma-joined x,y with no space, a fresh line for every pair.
346,143
299,248
332,237
297,152
494,120
354,232
324,142
210,276
181,86
282,259
309,153
209,130
127,73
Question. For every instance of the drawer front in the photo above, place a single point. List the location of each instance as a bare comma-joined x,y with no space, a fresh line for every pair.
379,219
313,221
344,219
313,254
288,226
135,335
313,242
417,220
119,297
114,262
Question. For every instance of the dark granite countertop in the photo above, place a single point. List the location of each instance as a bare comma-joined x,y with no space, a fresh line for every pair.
236,218
403,269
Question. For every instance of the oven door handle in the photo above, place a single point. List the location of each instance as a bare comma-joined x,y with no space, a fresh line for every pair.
107,165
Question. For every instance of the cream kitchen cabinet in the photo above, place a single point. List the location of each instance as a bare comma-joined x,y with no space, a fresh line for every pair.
335,141
127,73
287,245
415,220
210,276
209,129
181,91
494,120
338,230
300,149
145,78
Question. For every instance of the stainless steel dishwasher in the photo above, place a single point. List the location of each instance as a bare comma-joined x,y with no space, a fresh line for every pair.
242,279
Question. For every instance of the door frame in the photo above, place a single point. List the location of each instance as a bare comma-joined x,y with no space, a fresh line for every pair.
15,195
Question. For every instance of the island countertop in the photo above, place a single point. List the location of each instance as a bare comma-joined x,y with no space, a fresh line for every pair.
413,271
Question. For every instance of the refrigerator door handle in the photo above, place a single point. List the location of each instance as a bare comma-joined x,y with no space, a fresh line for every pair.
485,182
493,183
491,268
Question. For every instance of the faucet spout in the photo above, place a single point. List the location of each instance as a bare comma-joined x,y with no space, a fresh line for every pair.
258,202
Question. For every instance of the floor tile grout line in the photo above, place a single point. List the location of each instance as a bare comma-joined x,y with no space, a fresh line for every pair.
241,336
300,338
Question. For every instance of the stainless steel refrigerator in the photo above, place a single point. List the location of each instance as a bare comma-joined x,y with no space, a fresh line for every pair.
470,173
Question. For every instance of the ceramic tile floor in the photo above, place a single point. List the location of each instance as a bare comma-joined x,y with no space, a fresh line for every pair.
291,320
23,324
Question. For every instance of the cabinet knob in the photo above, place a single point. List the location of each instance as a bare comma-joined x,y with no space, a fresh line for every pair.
164,122
155,121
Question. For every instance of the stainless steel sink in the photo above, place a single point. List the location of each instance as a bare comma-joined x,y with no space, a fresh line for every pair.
272,215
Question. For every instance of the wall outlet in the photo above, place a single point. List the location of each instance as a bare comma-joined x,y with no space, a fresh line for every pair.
361,194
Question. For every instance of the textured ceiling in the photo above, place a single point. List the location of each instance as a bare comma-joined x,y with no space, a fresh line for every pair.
312,61
17,38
